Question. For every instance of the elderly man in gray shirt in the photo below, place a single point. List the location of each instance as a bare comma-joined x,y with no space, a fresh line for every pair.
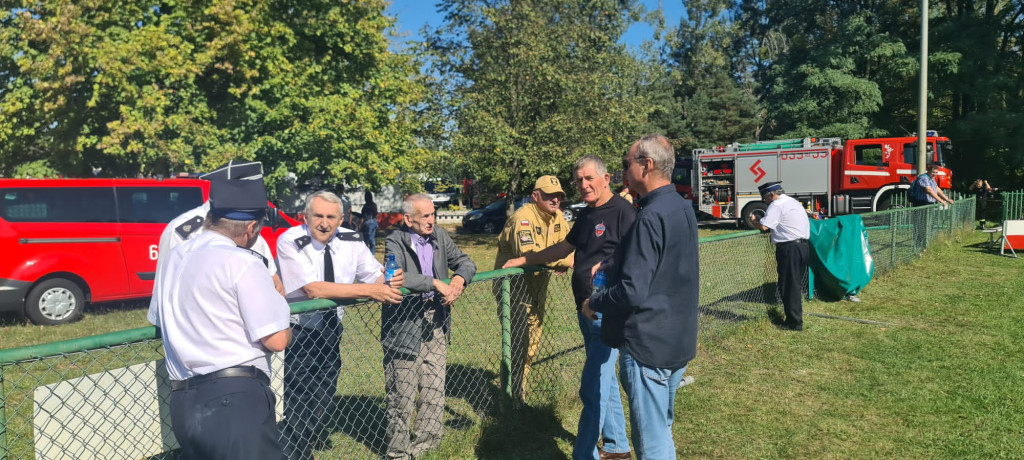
414,333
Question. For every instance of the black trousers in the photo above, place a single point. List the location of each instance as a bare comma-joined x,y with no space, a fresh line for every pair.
792,258
226,418
311,366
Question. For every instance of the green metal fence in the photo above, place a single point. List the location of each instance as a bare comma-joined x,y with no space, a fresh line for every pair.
107,396
1013,205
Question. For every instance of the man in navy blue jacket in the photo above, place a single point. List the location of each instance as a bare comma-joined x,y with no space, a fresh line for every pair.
650,306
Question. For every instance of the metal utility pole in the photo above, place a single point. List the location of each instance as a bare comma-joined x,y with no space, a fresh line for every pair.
922,109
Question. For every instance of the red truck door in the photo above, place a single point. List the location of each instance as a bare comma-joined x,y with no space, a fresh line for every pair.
868,165
144,211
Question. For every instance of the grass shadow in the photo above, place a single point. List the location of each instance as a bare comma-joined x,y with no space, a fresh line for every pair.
362,419
526,433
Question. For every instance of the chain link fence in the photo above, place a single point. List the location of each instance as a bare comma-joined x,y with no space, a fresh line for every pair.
107,396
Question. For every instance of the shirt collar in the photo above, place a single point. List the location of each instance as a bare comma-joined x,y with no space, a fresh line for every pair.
650,196
419,240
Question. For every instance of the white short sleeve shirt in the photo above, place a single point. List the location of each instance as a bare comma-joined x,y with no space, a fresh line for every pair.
188,226
214,302
302,261
787,220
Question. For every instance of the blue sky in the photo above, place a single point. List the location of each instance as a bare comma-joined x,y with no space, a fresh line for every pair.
414,14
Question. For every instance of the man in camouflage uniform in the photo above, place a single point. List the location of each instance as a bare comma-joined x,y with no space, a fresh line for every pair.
531,228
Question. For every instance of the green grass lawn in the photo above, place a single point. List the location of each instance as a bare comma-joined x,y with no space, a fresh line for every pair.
936,373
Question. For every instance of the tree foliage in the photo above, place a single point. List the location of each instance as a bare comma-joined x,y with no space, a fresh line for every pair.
307,86
850,69
532,85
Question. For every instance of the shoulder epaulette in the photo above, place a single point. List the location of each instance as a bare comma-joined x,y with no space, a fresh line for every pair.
258,256
302,241
350,236
189,227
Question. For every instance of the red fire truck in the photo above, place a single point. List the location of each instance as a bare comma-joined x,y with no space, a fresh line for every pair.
827,175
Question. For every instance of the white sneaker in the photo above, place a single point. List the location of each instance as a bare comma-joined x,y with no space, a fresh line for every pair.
852,298
685,381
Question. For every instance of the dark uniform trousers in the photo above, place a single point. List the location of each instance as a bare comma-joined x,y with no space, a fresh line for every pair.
226,418
792,258
311,366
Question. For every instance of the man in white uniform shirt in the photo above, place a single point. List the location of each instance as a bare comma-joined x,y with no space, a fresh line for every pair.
220,318
787,220
320,260
189,224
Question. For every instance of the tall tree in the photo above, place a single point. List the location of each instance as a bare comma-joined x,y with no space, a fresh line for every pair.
307,86
716,95
535,84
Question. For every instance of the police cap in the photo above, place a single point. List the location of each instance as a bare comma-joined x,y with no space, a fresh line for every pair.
236,170
238,199
769,187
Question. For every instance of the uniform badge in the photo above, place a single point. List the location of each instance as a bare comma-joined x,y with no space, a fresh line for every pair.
538,231
350,236
599,229
524,223
190,226
558,227
525,237
302,241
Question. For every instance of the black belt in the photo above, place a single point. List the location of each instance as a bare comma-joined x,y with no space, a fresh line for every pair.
236,371
801,240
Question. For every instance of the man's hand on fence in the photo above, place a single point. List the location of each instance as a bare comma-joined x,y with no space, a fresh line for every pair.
514,263
455,289
443,289
585,309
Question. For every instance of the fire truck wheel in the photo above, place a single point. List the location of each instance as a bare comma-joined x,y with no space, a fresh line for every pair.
751,210
885,202
54,301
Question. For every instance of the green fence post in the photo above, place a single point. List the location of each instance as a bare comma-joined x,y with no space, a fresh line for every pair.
3,417
892,237
506,336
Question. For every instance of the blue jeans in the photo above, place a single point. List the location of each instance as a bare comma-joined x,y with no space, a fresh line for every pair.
602,416
652,395
371,234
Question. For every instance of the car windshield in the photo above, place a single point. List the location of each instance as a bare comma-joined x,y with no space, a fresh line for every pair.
945,150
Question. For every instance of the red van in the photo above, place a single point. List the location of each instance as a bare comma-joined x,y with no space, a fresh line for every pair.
68,242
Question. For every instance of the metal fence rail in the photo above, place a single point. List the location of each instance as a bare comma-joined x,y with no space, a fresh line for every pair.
1013,205
107,396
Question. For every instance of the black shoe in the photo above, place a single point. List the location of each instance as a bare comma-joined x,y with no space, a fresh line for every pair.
792,327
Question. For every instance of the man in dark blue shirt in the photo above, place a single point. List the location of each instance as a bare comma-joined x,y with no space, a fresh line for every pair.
650,306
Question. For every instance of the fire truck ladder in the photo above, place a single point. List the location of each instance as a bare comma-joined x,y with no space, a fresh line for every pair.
804,143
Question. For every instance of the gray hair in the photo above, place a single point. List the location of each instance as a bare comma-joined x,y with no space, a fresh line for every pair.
595,160
659,149
409,206
325,195
227,227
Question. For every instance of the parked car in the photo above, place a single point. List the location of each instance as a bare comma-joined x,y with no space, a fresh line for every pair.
490,218
572,211
442,195
69,242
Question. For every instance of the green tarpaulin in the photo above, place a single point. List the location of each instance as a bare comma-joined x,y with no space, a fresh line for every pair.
840,256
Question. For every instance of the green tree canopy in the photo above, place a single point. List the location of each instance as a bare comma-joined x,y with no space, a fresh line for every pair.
533,85
308,87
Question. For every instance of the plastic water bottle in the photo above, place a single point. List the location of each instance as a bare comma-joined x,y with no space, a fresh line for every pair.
390,266
600,280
